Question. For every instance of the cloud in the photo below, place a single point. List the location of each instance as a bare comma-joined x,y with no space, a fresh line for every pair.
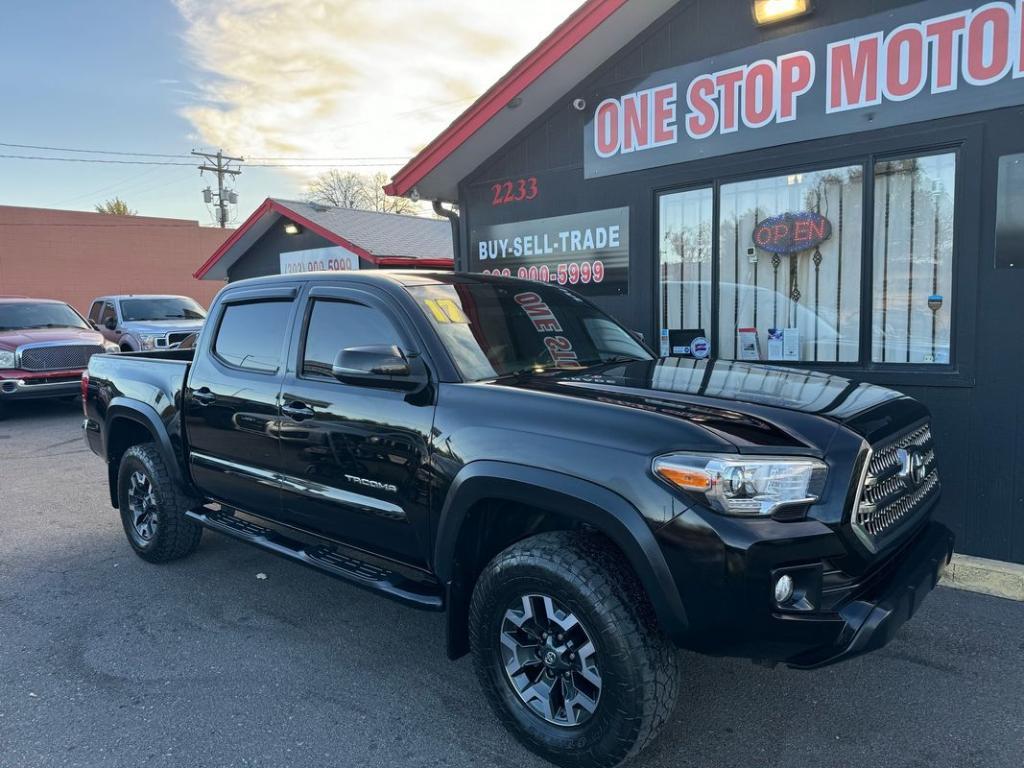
349,78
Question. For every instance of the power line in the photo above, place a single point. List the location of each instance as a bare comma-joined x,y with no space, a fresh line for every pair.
91,160
326,159
137,224
185,164
90,151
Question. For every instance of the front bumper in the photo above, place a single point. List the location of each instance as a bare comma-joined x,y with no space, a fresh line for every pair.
725,577
19,385
872,619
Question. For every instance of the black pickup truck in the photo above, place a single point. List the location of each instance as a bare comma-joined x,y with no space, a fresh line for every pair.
504,451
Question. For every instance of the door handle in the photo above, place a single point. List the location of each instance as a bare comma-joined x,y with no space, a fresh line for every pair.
297,411
203,396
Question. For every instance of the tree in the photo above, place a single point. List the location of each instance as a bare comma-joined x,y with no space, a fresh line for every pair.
356,190
116,207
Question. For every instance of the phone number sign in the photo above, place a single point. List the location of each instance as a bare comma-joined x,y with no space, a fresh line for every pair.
588,252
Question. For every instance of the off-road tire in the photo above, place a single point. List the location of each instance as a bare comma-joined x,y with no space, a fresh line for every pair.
175,535
638,664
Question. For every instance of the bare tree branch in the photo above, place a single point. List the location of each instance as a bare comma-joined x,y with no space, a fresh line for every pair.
356,190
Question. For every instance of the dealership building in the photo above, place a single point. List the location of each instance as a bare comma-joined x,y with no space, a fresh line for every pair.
290,237
828,186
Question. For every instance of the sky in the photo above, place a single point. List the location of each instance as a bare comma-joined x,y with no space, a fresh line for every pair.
360,85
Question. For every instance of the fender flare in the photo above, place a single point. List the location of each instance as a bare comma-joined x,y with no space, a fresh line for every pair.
126,409
570,496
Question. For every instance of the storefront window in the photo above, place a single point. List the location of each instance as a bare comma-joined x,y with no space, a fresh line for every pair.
1010,213
790,266
685,236
913,259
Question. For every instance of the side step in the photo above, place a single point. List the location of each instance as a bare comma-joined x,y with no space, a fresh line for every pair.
325,558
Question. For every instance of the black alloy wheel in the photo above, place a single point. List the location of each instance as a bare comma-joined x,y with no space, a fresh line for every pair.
142,506
550,660
153,507
568,652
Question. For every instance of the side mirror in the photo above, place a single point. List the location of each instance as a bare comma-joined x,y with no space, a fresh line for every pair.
386,367
110,323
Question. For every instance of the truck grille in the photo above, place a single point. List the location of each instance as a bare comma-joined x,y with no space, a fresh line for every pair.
65,357
901,478
174,339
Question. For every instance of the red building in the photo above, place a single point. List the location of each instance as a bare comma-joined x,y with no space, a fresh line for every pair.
75,256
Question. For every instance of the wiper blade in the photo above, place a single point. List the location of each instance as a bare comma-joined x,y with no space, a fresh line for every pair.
612,361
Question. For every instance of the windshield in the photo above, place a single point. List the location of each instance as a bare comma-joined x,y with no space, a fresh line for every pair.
20,316
166,308
494,330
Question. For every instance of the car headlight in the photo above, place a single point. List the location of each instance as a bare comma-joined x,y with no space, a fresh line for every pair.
6,359
745,486
148,340
110,348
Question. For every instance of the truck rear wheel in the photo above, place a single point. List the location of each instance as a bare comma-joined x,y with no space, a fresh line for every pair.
153,509
567,650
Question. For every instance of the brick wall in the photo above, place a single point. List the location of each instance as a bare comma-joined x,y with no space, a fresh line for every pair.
75,256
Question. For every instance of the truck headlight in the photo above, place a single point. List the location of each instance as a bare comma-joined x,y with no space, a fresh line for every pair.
6,359
110,348
745,486
148,340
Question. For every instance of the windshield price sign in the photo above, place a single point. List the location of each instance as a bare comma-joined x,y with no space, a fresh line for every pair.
588,252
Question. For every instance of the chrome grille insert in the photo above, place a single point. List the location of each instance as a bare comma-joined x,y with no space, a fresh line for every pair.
901,477
56,357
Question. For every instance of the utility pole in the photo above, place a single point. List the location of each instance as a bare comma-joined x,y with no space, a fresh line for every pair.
218,164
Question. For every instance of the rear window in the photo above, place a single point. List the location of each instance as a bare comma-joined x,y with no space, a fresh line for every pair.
251,336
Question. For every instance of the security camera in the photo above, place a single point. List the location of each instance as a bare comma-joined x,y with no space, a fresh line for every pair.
414,195
579,104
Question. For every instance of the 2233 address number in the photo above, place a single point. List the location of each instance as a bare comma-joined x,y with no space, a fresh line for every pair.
517,191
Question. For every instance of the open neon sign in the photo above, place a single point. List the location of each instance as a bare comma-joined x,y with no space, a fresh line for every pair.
792,232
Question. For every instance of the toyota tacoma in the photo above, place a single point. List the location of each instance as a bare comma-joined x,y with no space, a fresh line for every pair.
504,451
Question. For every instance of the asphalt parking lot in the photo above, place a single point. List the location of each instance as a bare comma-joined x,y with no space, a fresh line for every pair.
108,661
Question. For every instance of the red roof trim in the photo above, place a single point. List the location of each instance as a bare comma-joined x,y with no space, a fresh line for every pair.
400,262
566,36
334,237
272,206
235,237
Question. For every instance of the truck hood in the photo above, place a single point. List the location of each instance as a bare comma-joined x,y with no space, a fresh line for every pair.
161,326
762,404
10,340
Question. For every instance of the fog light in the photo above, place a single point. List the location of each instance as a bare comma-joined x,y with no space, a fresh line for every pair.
783,589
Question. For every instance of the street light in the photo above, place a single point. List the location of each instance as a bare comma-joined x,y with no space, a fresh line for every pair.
768,12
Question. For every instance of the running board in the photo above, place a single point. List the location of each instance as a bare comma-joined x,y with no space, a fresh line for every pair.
325,558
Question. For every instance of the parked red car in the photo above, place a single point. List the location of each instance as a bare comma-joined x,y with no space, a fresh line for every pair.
45,346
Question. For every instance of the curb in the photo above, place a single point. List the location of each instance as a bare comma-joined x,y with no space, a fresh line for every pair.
991,577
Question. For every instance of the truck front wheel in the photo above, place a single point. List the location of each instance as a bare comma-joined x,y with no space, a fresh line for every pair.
566,647
153,509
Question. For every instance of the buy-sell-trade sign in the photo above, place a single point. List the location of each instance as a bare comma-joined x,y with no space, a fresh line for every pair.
588,251
921,62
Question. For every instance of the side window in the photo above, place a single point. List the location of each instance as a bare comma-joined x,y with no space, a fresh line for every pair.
336,325
251,336
94,311
108,311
